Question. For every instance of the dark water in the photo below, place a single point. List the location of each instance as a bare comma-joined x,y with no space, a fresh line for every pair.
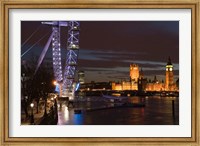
157,111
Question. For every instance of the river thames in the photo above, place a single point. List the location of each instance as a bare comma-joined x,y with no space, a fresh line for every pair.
157,111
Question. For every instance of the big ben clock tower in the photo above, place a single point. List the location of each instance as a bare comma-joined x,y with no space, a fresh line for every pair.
169,75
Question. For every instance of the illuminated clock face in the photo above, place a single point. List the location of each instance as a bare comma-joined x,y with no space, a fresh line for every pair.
166,69
170,69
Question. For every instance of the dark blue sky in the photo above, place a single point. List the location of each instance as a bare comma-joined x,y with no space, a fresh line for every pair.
108,47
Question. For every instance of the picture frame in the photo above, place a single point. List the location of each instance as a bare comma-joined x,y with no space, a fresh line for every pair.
6,5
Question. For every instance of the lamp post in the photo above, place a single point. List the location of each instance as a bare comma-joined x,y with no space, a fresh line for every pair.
25,97
32,116
23,83
26,105
52,102
55,107
55,102
44,94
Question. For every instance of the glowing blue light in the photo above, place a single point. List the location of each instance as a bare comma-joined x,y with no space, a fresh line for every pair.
77,86
57,89
78,119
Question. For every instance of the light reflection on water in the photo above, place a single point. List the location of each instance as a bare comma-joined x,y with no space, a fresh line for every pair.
158,111
78,119
66,113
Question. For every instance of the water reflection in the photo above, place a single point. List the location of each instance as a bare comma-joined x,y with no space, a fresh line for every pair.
157,111
66,113
78,119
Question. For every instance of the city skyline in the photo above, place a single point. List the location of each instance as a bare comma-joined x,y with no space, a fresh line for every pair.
107,48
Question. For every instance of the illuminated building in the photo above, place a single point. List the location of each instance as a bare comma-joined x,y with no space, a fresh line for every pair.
134,72
142,82
139,83
155,85
169,78
81,77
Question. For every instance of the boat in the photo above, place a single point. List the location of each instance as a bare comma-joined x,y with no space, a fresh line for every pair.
114,98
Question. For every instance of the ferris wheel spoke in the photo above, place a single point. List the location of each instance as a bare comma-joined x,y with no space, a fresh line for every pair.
65,80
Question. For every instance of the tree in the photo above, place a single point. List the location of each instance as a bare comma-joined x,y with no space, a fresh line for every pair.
42,85
25,97
39,84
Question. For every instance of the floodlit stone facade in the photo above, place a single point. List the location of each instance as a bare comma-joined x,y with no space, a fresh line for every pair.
139,83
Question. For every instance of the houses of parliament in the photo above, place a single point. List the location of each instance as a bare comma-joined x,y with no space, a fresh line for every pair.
140,83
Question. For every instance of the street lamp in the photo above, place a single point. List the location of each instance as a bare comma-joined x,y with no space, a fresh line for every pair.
24,96
26,106
23,82
55,83
52,101
32,117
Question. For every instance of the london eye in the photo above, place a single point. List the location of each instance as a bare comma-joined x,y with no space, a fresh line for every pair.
64,76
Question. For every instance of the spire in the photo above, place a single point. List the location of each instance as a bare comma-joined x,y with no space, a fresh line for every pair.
155,79
169,61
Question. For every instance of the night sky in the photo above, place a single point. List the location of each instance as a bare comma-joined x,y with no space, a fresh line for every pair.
107,48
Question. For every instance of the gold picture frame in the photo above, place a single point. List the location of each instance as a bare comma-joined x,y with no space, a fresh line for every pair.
116,4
